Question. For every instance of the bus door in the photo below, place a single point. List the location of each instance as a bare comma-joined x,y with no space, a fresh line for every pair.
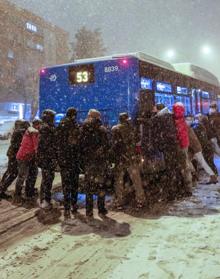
163,94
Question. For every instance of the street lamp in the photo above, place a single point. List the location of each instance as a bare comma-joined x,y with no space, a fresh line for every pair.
170,54
206,50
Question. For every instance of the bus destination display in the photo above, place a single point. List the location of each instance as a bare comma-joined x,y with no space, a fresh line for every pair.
81,74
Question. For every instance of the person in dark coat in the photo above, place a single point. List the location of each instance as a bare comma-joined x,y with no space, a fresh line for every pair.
207,147
124,141
12,169
210,131
195,153
46,156
163,138
95,148
68,148
214,119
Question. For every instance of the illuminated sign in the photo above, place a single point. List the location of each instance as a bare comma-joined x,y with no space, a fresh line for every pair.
205,95
164,87
182,90
81,74
146,83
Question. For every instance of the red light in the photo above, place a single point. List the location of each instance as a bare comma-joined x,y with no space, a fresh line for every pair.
42,71
125,61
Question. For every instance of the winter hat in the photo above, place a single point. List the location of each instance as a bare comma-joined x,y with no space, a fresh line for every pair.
71,112
48,116
123,117
94,114
25,125
18,123
213,105
36,122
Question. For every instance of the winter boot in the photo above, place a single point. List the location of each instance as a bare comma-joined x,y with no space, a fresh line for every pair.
4,196
46,205
74,210
17,200
213,179
67,215
103,212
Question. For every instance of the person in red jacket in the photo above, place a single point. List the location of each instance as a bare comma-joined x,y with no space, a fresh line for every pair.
183,140
27,168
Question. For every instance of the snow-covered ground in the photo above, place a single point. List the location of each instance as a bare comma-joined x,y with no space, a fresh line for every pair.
181,240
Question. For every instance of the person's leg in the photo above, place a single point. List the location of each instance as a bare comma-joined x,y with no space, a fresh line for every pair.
23,168
101,203
31,179
89,205
66,185
209,157
135,176
74,190
46,184
203,164
9,176
215,146
187,173
119,185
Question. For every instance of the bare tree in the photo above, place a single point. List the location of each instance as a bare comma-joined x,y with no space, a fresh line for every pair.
87,44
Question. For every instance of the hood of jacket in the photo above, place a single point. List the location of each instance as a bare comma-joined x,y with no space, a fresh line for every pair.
163,111
178,110
32,130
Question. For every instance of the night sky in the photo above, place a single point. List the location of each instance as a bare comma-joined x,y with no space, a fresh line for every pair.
151,26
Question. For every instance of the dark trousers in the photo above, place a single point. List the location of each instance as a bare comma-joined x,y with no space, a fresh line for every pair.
10,175
100,203
46,184
31,179
70,183
27,170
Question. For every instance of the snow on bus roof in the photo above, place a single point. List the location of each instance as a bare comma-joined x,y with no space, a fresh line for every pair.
140,55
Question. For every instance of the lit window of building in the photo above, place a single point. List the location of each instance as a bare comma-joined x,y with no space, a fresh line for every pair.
39,47
31,27
11,54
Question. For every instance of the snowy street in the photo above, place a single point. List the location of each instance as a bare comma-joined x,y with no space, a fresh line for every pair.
180,241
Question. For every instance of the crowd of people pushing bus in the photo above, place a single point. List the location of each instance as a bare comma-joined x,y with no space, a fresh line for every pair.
159,155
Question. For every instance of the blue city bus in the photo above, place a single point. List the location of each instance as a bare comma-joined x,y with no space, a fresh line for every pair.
121,83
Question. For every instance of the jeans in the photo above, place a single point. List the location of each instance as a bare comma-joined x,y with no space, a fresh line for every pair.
203,164
215,146
27,170
23,169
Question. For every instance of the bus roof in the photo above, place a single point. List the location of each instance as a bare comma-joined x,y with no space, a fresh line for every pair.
193,71
139,55
196,72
